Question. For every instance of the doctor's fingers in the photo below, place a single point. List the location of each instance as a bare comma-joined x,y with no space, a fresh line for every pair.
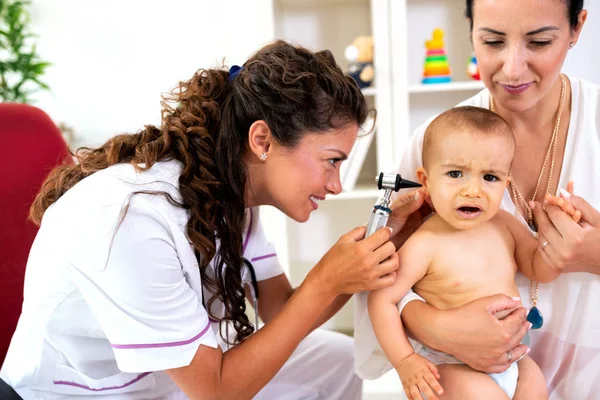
377,239
382,253
384,274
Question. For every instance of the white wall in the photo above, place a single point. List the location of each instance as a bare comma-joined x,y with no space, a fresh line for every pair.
584,58
112,59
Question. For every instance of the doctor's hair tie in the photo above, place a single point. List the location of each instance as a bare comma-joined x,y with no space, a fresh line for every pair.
234,71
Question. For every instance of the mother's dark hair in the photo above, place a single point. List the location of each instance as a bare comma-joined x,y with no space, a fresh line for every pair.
205,124
574,7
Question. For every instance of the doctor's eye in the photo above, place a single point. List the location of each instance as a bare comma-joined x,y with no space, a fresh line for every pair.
490,178
454,174
334,161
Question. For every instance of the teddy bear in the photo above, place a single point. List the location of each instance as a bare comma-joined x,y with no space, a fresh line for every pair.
360,57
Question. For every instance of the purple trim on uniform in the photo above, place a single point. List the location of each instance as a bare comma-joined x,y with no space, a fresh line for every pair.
213,320
248,233
263,257
79,385
167,344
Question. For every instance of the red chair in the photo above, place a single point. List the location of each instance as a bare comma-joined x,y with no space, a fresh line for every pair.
30,146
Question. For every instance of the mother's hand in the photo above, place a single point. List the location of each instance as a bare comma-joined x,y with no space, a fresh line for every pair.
472,333
566,245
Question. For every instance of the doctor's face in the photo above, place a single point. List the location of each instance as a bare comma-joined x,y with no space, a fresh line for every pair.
299,178
520,47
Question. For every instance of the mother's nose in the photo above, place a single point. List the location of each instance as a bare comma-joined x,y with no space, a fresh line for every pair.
514,63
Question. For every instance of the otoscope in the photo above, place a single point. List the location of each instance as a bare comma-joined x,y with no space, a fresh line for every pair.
381,211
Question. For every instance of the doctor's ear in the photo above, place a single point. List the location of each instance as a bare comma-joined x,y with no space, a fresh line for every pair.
260,139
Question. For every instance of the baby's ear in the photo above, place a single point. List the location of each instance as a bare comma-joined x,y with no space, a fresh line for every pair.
422,178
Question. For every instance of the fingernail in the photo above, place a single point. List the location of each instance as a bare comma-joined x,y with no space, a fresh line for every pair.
417,195
391,230
532,205
564,193
529,327
516,298
528,350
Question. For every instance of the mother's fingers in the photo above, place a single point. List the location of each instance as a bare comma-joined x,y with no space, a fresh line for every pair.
549,254
588,213
563,222
545,225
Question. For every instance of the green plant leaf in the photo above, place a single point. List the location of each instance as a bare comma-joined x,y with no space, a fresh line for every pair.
19,61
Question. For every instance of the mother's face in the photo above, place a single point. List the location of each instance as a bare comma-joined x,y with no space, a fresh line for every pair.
520,47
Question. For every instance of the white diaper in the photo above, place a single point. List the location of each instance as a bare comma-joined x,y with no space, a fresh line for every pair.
507,380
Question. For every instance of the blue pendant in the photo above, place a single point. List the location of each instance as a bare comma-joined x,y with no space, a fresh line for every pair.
535,317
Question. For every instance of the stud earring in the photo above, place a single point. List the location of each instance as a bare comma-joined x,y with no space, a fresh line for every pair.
571,44
263,156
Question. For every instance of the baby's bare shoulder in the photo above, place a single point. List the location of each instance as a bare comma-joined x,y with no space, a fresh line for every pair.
422,239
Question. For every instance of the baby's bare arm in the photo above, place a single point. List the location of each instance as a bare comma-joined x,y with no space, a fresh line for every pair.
527,252
415,257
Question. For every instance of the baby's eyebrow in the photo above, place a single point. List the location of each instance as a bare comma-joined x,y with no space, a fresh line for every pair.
453,165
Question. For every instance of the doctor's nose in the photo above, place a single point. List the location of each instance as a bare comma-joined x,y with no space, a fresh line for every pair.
334,184
515,63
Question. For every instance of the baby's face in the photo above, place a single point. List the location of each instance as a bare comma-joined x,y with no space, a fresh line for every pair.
466,177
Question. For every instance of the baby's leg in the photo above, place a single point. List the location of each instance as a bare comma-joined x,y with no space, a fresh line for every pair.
531,384
461,382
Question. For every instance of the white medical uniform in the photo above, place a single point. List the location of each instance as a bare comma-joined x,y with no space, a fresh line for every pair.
110,305
567,347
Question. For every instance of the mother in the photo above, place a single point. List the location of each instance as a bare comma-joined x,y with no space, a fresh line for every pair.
520,46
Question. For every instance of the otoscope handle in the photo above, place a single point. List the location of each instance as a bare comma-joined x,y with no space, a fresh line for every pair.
378,219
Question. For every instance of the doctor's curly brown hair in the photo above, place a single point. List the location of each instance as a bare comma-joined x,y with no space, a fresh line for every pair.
205,124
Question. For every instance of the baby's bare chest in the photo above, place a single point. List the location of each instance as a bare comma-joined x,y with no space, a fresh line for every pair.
475,266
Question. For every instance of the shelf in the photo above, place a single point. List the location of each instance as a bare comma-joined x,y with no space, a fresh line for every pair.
359,192
312,3
369,91
446,87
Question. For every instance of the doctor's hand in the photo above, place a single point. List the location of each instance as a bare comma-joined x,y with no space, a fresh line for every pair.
408,212
355,264
569,244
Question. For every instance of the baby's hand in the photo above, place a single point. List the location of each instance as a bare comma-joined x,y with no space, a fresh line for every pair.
564,205
419,377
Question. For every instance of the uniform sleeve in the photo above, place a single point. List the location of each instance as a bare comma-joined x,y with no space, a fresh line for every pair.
258,250
132,278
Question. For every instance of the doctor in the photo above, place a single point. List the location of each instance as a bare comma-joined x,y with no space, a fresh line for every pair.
137,266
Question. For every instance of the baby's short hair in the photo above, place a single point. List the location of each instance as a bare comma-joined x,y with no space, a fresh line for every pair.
475,120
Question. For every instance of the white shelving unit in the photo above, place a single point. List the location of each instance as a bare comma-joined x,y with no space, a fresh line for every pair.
445,87
399,29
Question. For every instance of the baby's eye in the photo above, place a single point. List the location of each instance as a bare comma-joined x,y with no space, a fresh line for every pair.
490,178
455,174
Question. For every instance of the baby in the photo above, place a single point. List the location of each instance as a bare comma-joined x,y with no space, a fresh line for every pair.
467,250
